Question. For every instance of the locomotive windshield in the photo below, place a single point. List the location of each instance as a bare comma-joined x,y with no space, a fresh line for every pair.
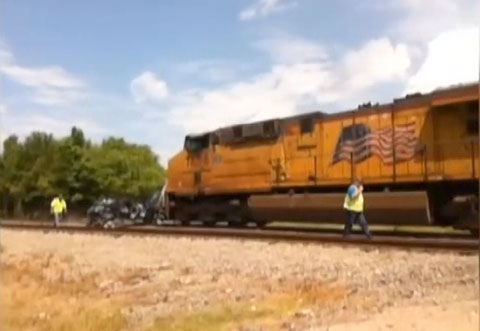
195,144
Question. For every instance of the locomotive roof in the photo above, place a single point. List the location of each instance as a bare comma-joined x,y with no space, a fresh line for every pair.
408,100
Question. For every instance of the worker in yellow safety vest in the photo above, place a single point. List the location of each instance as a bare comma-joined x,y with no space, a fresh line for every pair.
58,209
354,204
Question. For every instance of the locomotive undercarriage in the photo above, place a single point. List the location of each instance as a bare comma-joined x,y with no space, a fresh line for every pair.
211,210
443,204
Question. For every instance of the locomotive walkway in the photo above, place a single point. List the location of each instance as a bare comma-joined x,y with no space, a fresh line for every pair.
461,243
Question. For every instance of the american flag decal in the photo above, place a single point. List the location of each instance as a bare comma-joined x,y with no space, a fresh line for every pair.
361,142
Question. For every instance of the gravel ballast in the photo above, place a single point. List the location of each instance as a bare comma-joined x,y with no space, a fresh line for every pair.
295,286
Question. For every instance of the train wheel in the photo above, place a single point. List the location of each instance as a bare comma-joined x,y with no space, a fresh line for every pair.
209,223
207,219
474,232
158,221
236,224
261,224
185,222
109,225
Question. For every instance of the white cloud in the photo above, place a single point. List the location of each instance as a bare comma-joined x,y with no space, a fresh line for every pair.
164,154
378,61
452,58
442,38
313,80
58,97
210,70
52,76
264,8
421,20
270,95
291,88
147,87
5,55
52,85
292,50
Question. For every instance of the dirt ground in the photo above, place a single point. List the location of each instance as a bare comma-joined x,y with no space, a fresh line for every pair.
61,281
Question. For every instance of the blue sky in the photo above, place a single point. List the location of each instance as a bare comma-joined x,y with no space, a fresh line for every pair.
152,71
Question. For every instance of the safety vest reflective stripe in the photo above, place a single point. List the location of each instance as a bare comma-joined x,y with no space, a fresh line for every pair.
354,204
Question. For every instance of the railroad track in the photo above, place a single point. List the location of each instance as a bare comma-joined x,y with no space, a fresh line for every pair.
465,243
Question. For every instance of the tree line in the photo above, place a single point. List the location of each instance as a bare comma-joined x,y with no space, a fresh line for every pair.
34,170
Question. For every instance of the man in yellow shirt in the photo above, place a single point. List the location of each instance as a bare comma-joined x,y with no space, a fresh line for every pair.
58,208
354,205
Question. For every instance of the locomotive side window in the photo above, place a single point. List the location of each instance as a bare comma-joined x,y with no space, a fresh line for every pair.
196,144
215,139
306,125
269,129
237,132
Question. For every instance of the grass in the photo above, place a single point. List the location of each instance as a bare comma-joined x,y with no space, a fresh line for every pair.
40,293
269,311
217,319
32,302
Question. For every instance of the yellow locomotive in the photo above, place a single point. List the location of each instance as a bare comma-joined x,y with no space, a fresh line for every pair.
418,158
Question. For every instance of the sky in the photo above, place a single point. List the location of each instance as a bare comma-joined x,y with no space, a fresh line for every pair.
154,71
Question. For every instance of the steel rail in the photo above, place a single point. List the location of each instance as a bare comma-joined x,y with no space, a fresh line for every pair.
383,233
467,245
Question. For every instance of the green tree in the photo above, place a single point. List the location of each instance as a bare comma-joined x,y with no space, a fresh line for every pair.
35,170
13,172
74,176
38,154
126,170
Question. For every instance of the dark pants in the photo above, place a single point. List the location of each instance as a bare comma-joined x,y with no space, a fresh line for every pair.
359,218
